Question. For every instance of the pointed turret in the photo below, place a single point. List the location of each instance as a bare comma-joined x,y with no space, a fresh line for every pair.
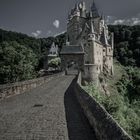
76,7
92,28
103,38
82,7
94,10
92,31
76,10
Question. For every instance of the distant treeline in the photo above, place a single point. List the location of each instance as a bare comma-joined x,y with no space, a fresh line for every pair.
127,44
21,56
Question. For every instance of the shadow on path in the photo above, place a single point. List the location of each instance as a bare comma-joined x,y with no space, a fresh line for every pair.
77,124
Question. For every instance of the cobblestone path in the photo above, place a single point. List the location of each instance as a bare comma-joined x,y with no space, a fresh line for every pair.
49,112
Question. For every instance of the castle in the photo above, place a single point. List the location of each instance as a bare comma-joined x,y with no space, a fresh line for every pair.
89,42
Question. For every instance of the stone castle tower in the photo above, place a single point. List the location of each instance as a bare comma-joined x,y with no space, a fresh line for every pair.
88,30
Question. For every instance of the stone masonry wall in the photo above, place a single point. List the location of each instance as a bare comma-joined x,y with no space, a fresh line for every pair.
8,90
106,128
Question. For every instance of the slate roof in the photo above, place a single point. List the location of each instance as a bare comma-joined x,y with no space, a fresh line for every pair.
72,49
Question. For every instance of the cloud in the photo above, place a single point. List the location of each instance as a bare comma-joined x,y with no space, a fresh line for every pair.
119,21
126,21
36,33
56,23
49,32
136,21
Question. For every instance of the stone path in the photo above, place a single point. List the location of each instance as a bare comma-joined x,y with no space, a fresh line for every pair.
49,112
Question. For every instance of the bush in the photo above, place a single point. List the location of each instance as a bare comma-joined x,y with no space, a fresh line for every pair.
124,103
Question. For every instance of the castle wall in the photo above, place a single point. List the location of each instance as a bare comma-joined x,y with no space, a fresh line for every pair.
78,58
109,59
74,28
91,32
96,23
98,56
90,73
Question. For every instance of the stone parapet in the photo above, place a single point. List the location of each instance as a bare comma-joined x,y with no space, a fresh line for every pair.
106,128
8,90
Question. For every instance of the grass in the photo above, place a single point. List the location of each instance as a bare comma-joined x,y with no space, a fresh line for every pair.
122,103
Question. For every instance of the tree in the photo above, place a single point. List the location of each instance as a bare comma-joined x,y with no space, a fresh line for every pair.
17,62
55,63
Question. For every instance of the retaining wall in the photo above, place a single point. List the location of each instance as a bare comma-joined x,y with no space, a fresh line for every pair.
8,90
105,127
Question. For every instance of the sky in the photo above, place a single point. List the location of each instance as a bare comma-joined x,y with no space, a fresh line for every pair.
43,18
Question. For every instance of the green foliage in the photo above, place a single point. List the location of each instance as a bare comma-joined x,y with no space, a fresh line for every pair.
127,44
17,62
60,40
23,56
124,101
55,63
92,90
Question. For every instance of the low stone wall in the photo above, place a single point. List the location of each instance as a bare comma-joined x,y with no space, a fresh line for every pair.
8,90
105,127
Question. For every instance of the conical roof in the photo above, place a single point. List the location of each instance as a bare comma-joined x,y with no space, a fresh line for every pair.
94,10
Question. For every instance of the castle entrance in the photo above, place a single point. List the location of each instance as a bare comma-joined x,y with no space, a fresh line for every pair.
72,59
72,67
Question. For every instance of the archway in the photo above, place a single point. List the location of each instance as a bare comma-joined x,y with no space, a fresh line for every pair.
72,63
72,57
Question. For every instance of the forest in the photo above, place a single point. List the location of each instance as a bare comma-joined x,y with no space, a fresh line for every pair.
127,44
23,56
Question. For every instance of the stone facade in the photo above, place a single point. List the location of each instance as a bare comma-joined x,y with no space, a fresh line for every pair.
72,54
88,29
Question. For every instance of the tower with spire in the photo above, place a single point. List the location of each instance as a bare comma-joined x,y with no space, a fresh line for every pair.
88,29
94,10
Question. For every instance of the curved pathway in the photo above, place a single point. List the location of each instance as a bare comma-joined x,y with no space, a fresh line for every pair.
49,112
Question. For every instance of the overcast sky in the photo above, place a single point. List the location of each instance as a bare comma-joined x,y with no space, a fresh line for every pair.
42,18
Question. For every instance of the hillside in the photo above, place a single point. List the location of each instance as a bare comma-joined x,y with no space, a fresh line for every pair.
23,56
127,51
123,98
127,44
